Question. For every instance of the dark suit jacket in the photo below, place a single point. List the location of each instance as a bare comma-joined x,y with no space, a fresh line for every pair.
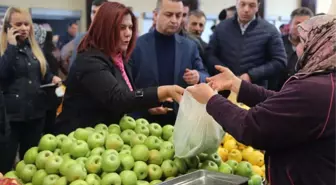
144,61
97,93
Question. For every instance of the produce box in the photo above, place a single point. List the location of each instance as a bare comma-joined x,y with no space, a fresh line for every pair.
205,177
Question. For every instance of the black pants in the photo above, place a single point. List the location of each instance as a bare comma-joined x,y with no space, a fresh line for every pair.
25,134
50,121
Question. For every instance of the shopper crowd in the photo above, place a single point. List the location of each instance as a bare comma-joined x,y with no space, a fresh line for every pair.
287,77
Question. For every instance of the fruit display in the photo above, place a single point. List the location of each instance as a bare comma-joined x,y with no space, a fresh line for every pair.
243,160
133,152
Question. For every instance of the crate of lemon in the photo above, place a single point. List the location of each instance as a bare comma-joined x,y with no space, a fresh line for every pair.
240,159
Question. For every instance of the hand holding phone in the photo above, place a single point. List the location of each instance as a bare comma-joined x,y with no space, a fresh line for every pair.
12,34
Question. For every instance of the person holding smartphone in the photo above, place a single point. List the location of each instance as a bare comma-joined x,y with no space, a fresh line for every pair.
23,69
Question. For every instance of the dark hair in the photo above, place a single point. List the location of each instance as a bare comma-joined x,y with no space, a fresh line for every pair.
104,32
72,23
303,11
192,4
98,2
282,26
232,8
213,27
197,13
222,15
159,3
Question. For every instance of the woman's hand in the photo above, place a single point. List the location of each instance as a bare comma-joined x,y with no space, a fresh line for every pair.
56,80
201,92
225,80
12,33
169,92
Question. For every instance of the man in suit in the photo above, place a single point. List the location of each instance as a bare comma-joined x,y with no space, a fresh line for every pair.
291,40
163,57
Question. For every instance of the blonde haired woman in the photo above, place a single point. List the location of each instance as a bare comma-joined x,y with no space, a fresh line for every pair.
23,70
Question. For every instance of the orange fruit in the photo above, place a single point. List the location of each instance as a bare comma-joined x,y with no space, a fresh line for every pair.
223,153
230,145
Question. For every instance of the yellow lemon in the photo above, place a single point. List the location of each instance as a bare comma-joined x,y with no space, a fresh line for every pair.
247,152
257,170
230,145
223,153
227,137
263,168
256,158
241,146
235,155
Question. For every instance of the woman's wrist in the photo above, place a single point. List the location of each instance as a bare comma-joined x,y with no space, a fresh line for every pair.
236,83
162,92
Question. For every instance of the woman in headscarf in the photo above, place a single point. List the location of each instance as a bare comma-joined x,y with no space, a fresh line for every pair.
296,126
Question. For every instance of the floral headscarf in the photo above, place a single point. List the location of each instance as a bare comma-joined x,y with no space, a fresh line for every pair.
40,34
318,36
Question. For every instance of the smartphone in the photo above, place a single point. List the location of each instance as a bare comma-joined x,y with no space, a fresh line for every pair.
7,26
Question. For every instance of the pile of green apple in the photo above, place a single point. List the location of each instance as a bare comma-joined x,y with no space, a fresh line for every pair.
132,152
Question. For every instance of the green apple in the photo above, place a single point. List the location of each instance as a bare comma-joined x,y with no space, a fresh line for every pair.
111,179
167,150
61,181
53,164
125,153
12,175
66,145
114,141
103,133
71,135
81,160
103,174
82,134
79,149
209,165
38,177
64,168
29,183
142,121
58,152
127,122
126,147
93,179
141,170
154,172
140,153
155,157
244,169
255,180
127,135
66,156
142,182
225,168
30,155
155,130
60,139
95,140
138,139
114,129
110,163
50,179
155,182
169,168
101,127
93,164
233,164
153,142
181,165
126,162
128,177
110,151
171,139
215,158
28,172
97,151
19,167
79,182
167,132
192,162
41,158
142,129
76,172
48,142
170,178
203,157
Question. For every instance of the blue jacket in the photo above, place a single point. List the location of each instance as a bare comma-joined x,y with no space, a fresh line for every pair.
259,52
144,61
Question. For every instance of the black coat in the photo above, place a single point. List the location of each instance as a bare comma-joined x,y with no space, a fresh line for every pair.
20,79
4,125
97,93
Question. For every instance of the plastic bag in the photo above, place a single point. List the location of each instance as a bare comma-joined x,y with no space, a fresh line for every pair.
195,130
